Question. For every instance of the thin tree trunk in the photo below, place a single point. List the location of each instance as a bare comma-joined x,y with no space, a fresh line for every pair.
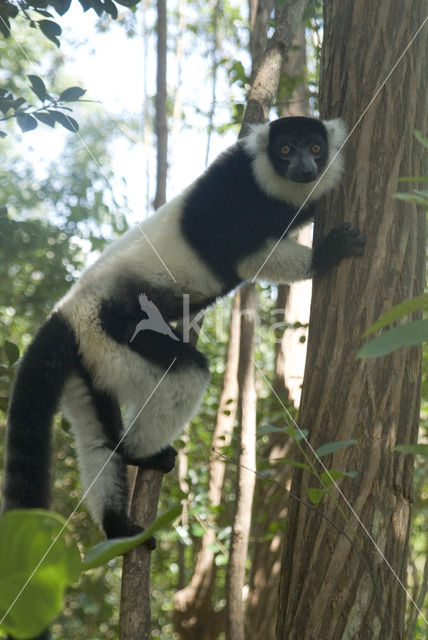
374,401
246,478
161,117
194,615
134,621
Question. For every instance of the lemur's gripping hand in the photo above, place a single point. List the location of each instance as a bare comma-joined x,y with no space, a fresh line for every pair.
341,242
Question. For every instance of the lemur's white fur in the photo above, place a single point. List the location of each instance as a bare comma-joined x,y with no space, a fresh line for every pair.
256,143
164,256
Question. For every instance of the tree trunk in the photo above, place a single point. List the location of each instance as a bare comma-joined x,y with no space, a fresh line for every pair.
271,501
374,401
194,615
134,622
161,117
246,478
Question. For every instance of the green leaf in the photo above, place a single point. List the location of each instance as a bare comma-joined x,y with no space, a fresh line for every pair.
38,87
406,335
330,447
397,312
293,463
12,352
46,117
72,94
411,197
105,551
332,475
315,495
414,179
421,138
414,449
265,429
61,6
25,537
66,121
50,29
26,122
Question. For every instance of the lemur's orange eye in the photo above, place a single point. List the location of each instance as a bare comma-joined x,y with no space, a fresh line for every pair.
285,150
315,148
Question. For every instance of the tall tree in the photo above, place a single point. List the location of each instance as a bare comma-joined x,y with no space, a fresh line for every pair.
373,54
135,607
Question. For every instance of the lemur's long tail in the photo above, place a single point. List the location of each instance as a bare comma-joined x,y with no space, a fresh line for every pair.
37,390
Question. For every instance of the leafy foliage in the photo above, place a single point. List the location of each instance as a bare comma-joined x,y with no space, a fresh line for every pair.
51,111
51,29
38,559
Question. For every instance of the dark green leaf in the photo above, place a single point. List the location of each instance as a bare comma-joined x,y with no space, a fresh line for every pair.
5,27
406,335
38,87
26,122
46,118
66,121
330,447
11,351
50,29
110,8
61,6
71,94
8,9
17,103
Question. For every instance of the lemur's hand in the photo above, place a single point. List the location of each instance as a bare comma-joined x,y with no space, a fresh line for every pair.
341,242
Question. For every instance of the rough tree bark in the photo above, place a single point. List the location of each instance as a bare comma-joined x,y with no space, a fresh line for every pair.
373,401
134,621
271,498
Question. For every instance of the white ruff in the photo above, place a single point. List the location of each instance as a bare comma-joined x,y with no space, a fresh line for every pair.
256,144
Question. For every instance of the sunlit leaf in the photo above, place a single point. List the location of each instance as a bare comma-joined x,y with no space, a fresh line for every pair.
399,311
414,449
406,335
105,551
29,544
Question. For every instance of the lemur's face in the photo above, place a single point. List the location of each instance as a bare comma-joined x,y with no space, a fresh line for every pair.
298,148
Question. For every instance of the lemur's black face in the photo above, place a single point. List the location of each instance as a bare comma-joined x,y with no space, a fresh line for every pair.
298,148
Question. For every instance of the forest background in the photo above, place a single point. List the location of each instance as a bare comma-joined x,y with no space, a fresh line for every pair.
63,196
